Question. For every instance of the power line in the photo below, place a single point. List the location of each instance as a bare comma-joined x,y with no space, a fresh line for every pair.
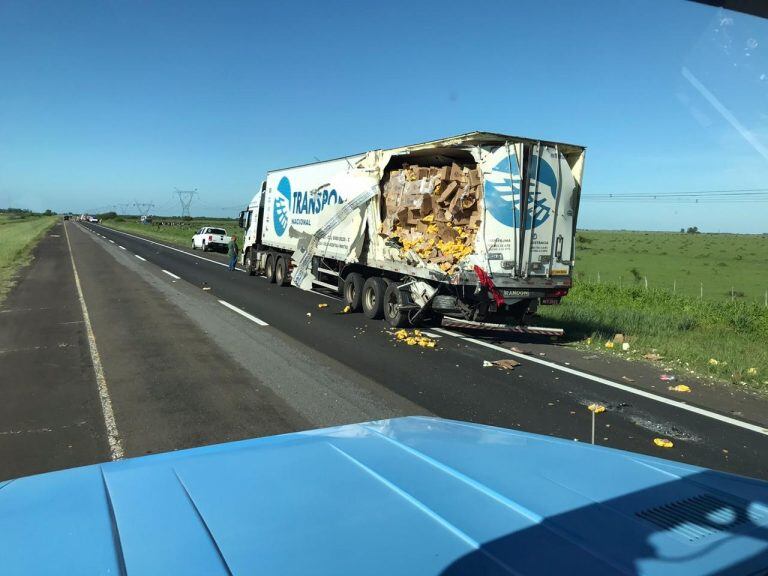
185,197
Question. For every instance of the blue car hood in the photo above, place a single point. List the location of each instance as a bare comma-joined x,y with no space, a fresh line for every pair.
404,496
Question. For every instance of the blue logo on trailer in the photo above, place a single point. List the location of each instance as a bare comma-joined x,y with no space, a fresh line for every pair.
502,193
280,206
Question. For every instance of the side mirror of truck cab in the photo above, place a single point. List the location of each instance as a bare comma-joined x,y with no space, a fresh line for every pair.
241,220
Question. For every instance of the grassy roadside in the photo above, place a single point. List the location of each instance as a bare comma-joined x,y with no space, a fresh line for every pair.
18,236
722,339
177,232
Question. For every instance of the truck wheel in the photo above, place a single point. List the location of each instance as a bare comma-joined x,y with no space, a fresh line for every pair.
269,268
353,291
205,247
373,297
249,264
281,272
393,299
193,246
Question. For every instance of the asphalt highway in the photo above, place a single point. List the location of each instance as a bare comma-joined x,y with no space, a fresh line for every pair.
194,354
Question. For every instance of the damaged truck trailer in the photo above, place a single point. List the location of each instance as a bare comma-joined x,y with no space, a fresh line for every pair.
479,226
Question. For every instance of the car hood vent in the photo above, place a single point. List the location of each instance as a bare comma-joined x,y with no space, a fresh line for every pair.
700,516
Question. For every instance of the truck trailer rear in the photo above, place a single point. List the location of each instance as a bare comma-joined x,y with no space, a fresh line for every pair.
479,226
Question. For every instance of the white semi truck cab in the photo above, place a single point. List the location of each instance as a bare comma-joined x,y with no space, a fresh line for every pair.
479,226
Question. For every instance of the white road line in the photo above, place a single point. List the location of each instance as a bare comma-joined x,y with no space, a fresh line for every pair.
121,247
606,382
112,241
243,313
172,275
113,438
174,249
140,258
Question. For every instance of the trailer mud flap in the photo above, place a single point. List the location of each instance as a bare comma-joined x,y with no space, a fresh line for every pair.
302,276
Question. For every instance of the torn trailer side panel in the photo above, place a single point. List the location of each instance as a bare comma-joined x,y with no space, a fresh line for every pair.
479,226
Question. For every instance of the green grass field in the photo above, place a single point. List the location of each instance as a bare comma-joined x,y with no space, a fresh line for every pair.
18,235
680,262
719,335
173,230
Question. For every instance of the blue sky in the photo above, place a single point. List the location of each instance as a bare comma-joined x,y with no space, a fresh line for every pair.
113,102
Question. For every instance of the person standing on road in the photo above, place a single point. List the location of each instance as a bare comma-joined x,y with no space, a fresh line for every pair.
232,253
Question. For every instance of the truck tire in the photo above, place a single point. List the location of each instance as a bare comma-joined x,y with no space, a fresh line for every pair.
353,291
205,247
373,297
393,299
269,268
281,272
249,263
193,245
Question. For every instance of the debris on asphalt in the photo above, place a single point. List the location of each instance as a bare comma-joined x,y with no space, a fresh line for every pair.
590,357
596,408
680,388
505,363
206,287
309,314
618,338
519,351
415,338
627,379
487,364
663,442
666,378
323,305
347,309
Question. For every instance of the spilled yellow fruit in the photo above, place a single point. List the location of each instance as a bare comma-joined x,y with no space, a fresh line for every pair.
680,388
596,408
663,442
322,305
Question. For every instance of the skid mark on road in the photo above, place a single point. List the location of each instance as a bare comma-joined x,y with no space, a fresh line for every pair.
113,438
606,382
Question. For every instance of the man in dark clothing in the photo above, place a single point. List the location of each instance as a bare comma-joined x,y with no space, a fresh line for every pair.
232,253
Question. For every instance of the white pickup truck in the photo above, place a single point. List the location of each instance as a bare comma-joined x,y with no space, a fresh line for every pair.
210,239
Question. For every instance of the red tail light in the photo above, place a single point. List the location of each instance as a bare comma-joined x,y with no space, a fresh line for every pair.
210,238
558,293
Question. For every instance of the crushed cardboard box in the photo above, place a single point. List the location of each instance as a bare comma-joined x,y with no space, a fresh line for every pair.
432,213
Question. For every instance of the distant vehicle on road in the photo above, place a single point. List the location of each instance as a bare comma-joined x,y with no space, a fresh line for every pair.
93,219
66,216
210,239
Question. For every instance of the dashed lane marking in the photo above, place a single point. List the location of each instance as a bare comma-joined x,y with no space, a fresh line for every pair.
243,313
172,275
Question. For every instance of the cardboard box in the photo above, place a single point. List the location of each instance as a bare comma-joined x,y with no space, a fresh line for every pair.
475,177
428,205
449,190
456,173
444,173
